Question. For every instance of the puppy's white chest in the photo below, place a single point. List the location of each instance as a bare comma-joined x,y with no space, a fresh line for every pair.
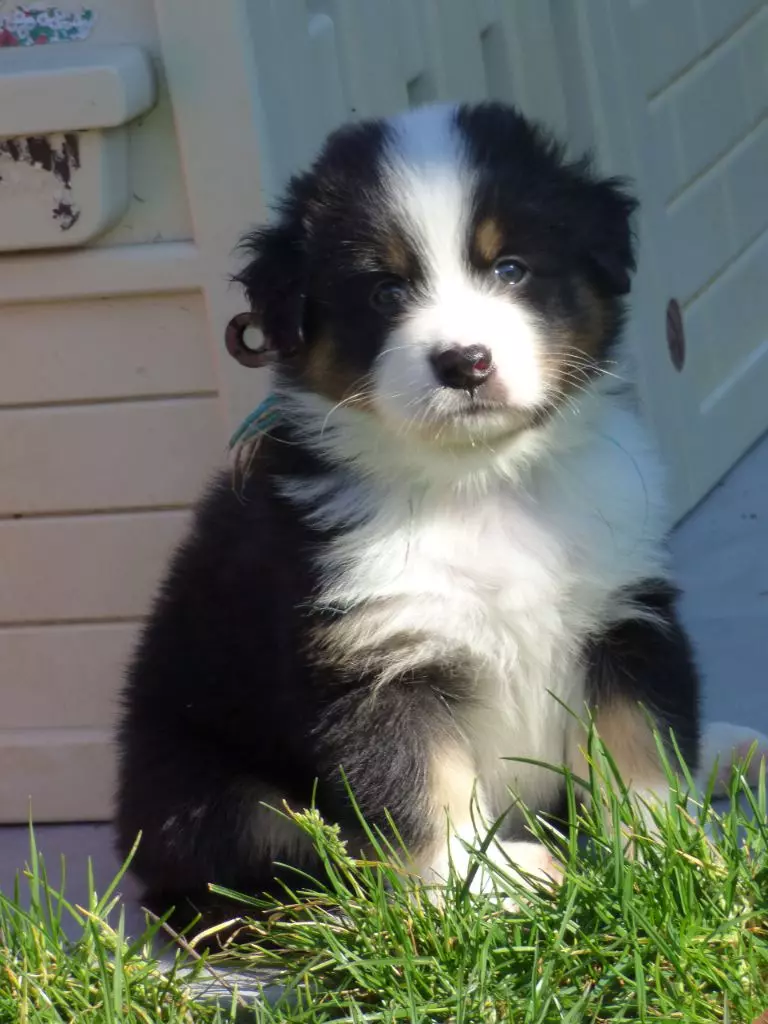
487,564
482,582
502,582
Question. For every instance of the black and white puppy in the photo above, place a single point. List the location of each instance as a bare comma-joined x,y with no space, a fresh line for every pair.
455,532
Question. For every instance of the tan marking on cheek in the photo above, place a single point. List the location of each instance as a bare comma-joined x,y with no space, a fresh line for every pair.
324,374
318,362
488,240
576,344
591,333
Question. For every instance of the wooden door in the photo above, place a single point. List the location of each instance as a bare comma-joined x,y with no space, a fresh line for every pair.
676,95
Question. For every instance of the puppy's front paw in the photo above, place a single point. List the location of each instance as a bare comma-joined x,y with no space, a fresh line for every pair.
532,860
531,863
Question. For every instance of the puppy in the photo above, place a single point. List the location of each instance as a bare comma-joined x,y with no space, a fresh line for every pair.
454,533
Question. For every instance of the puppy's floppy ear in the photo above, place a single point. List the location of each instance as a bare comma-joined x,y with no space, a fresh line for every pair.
609,239
273,280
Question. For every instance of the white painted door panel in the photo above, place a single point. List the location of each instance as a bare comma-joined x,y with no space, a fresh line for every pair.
678,97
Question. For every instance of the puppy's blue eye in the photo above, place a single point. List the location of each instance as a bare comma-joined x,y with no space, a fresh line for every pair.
509,270
390,296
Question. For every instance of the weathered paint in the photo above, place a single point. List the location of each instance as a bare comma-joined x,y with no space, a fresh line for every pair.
35,26
57,155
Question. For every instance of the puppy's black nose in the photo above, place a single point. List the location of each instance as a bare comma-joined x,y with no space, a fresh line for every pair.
460,367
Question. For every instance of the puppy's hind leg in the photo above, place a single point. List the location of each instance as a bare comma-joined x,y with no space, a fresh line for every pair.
641,678
199,825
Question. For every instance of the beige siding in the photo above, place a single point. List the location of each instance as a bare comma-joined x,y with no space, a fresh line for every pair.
106,456
56,775
65,670
115,396
111,421
72,592
114,347
75,568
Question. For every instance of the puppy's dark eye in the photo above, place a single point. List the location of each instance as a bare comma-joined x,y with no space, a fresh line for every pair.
509,270
389,296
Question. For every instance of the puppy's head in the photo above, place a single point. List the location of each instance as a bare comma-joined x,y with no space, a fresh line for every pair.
445,271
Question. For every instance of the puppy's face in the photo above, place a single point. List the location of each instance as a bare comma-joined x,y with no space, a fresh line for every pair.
445,271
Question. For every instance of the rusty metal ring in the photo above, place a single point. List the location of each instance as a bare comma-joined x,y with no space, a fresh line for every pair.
234,338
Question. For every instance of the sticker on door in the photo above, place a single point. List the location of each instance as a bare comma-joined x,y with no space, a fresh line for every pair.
36,26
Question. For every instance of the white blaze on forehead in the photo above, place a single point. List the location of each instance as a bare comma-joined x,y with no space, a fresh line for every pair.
430,189
430,186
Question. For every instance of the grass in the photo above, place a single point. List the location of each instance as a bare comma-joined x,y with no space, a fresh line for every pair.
676,932
64,963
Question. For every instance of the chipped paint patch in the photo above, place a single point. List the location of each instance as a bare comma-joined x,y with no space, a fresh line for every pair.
55,156
36,26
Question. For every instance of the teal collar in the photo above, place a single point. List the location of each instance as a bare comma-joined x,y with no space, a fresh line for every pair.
259,422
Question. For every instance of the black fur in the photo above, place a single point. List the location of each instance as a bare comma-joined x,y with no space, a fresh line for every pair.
562,213
225,708
315,260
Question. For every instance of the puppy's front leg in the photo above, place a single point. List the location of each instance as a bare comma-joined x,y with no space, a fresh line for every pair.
460,817
403,758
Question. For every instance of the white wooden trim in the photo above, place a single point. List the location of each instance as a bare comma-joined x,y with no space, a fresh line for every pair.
93,273
701,433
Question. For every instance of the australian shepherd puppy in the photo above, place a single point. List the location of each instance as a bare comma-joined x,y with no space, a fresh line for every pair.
454,533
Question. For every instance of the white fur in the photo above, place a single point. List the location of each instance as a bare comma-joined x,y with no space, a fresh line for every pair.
510,856
515,561
429,187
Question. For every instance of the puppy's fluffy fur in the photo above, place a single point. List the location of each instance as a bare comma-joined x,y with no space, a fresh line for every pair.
456,531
